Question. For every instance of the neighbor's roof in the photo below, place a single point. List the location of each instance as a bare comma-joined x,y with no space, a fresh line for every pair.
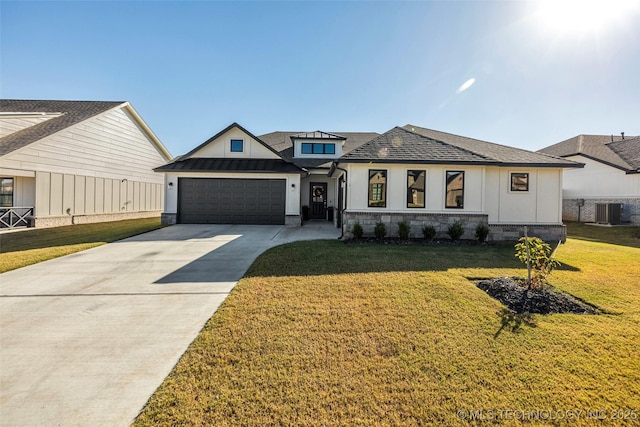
281,142
611,150
206,164
412,144
69,114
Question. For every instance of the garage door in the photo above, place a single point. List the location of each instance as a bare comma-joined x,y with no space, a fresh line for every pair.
231,201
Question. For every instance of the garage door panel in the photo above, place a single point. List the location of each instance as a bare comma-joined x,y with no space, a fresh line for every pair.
231,201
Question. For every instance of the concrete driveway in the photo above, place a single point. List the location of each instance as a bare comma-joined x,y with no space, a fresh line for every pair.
87,338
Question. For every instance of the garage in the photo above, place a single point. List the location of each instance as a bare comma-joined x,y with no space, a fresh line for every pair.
231,201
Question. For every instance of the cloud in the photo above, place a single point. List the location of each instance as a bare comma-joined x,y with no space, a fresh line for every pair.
466,85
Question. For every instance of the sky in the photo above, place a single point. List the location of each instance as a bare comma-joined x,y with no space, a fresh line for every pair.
524,74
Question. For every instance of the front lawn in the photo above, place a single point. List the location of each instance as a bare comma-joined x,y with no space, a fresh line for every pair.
30,246
326,333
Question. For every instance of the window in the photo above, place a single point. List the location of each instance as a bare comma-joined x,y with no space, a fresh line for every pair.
415,188
237,146
6,192
317,148
455,190
519,181
377,188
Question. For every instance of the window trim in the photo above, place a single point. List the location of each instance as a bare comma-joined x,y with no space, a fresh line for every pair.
384,188
528,181
446,190
424,191
13,190
231,145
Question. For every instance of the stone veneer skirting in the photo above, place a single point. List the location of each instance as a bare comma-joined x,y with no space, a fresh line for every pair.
57,221
289,220
442,221
587,213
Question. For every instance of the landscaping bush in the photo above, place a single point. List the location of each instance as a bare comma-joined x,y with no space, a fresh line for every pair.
456,230
429,232
357,231
482,232
541,259
380,231
403,230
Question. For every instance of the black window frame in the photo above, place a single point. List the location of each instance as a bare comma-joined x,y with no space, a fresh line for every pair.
512,183
424,197
4,195
231,148
383,202
446,191
308,146
317,148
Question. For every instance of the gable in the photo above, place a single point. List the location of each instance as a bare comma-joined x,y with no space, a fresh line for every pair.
219,146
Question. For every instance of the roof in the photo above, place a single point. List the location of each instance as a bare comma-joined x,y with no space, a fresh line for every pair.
67,114
71,113
318,135
610,150
500,154
207,164
281,142
411,144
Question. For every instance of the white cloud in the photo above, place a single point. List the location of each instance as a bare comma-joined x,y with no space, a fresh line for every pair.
466,85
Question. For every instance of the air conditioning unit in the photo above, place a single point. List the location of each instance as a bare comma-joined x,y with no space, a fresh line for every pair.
608,213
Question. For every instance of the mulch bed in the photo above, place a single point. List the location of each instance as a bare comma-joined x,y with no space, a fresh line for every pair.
433,242
513,292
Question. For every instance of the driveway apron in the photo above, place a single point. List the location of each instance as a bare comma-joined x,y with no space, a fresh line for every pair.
87,338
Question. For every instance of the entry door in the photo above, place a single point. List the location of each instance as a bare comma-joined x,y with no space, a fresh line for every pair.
318,202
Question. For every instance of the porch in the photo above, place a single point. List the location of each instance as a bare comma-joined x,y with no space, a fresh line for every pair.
17,199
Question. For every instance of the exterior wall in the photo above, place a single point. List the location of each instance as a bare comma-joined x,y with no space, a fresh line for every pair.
597,180
98,170
293,188
66,198
571,211
221,147
13,122
441,222
358,183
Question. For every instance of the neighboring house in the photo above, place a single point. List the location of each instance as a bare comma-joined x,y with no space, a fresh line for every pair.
406,174
69,162
611,175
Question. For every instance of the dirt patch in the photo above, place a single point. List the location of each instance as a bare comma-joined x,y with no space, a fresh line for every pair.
512,292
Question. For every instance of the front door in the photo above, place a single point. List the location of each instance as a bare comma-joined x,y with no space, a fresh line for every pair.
318,200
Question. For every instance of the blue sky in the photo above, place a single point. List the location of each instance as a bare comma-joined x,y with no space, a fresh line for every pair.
540,74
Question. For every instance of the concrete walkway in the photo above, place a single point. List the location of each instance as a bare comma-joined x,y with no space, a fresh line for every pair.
87,338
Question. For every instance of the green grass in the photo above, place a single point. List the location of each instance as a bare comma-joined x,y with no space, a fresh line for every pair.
30,246
323,333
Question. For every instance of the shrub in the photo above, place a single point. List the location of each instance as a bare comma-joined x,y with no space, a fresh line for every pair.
380,231
456,230
403,230
482,232
541,259
357,231
429,232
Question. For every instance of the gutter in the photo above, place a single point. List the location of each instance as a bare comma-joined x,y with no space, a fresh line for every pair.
334,166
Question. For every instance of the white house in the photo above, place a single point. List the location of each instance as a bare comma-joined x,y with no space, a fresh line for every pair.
611,176
406,174
69,162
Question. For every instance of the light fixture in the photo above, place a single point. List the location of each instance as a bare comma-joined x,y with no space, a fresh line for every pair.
171,184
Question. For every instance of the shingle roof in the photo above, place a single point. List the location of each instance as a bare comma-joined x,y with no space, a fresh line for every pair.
72,112
621,154
281,142
500,154
207,164
411,144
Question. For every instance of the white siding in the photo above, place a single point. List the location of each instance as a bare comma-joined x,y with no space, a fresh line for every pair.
598,180
221,147
110,145
10,123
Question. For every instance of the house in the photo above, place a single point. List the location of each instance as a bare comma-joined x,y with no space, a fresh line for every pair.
407,174
611,175
70,162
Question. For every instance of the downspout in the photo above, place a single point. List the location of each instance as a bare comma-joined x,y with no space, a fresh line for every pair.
342,209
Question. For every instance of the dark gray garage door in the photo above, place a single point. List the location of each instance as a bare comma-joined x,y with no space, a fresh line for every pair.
231,201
